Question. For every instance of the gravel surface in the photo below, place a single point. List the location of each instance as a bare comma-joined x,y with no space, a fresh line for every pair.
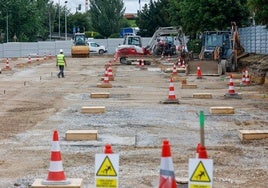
34,103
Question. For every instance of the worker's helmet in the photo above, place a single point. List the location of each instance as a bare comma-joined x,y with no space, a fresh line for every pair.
61,50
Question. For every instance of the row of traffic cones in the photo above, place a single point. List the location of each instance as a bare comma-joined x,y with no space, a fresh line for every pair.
107,77
56,175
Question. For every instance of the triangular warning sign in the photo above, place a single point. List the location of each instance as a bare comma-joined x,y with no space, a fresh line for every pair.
106,168
200,174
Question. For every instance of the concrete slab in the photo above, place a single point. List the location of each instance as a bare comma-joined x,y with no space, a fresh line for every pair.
74,183
74,135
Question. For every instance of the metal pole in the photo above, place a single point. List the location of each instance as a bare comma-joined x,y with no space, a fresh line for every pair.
49,21
65,21
7,26
59,18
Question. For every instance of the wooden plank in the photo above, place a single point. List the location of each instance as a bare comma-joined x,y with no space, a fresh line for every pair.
202,95
188,86
100,95
253,134
74,183
93,109
222,110
73,135
104,85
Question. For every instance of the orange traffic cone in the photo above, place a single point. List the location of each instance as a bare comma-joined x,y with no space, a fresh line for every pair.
247,79
115,56
231,92
174,69
105,83
171,95
29,59
243,77
110,73
168,57
183,64
167,175
45,56
179,62
231,86
7,65
108,149
37,57
56,174
106,78
199,73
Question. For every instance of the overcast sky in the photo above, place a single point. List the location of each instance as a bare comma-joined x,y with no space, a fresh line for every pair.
131,5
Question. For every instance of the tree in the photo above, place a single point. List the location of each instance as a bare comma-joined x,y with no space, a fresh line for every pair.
259,11
152,16
106,16
198,15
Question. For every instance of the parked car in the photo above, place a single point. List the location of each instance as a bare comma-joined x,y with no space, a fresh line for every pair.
96,48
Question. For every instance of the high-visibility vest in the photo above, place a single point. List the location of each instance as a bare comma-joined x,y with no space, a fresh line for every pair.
60,59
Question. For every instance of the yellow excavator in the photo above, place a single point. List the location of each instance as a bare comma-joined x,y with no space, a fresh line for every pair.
80,47
219,53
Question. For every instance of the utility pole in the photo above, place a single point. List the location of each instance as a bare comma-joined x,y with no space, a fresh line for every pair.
59,18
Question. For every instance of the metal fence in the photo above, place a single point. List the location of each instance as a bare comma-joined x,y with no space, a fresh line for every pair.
254,39
24,49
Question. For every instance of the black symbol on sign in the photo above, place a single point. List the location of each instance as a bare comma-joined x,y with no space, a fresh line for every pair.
107,169
199,176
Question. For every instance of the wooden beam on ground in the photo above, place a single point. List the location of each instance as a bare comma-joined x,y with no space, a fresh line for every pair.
202,95
188,86
253,134
93,109
100,95
74,183
74,135
222,110
104,85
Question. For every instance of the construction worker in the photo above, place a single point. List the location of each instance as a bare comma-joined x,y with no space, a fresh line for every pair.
61,62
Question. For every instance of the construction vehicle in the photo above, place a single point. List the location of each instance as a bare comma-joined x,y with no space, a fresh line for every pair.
165,41
219,53
80,47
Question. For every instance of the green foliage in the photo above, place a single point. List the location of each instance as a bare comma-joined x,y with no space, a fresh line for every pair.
259,11
106,16
194,45
152,16
115,35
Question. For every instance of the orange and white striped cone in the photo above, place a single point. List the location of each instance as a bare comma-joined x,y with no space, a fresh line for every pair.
29,59
7,65
110,73
174,72
167,175
183,64
231,90
199,73
179,62
45,56
106,78
142,62
171,95
168,57
115,56
56,174
37,57
247,79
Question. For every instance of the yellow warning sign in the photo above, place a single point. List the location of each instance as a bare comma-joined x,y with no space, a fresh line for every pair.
106,168
200,174
101,182
199,186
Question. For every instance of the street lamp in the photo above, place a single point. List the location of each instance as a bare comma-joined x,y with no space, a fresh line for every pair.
65,21
59,18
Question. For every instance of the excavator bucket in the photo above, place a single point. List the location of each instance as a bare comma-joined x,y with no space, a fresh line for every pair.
80,51
207,67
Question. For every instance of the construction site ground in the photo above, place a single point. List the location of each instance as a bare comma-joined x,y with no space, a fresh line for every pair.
34,102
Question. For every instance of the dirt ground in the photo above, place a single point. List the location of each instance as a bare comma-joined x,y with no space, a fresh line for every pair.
34,102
